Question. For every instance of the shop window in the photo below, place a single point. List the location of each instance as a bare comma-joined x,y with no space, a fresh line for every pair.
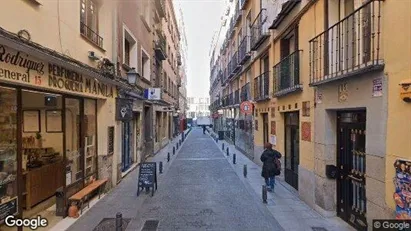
90,151
42,146
129,49
8,147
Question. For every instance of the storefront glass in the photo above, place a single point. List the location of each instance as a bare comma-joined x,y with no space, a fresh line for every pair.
90,119
8,149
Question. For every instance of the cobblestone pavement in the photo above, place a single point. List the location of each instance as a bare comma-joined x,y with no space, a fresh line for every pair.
197,191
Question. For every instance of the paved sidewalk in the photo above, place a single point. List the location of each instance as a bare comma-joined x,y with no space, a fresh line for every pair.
197,191
284,204
108,206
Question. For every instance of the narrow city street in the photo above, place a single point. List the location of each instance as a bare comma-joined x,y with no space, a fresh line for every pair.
201,189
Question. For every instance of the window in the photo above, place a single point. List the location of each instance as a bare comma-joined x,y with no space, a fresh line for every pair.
145,65
306,109
89,21
129,49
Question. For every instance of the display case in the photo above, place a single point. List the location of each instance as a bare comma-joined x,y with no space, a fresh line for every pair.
90,155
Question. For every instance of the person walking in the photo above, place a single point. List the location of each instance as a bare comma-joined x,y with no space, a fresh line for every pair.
204,129
271,165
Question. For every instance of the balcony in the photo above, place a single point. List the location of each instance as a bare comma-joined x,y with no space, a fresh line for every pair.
286,7
232,29
260,30
230,69
349,48
244,50
245,93
178,81
238,13
287,75
160,8
179,62
91,35
235,67
161,47
242,4
231,99
261,87
237,97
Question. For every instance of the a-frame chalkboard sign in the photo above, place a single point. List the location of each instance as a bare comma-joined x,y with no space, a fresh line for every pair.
147,177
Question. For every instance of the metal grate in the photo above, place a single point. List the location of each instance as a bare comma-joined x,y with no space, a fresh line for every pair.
109,224
318,229
150,225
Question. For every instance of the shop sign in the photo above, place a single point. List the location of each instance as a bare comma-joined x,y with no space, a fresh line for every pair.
124,109
7,208
18,67
377,87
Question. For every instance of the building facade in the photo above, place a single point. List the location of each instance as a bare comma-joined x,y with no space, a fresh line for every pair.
198,106
330,85
74,95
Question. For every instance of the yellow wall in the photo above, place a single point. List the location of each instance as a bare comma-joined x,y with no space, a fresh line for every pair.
56,24
396,42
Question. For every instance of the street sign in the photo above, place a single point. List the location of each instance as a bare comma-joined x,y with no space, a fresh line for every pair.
246,107
147,177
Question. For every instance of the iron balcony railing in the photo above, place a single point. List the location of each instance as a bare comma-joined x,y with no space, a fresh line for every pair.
161,46
349,47
261,86
237,97
287,74
160,8
244,50
260,29
91,35
230,69
235,67
245,92
238,12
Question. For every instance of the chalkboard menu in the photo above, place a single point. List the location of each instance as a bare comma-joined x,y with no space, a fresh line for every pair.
8,208
110,142
147,176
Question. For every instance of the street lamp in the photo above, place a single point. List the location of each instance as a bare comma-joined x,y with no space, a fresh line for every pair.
132,76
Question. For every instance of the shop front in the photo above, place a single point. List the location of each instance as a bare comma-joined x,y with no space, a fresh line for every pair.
49,139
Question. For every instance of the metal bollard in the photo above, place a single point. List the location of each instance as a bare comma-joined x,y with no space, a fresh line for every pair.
161,167
174,150
168,157
245,170
216,140
234,158
222,146
177,146
119,222
265,194
228,152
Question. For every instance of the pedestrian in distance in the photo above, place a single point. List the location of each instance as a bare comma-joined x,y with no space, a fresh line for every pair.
204,129
271,165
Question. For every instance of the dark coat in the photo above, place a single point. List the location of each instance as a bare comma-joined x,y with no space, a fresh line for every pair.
269,166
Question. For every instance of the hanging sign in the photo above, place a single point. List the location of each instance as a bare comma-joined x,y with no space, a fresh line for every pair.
246,107
124,109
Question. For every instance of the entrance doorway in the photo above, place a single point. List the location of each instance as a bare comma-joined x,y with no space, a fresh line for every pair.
127,146
265,127
292,148
351,197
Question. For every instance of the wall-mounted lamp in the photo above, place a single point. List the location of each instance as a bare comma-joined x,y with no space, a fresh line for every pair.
132,76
